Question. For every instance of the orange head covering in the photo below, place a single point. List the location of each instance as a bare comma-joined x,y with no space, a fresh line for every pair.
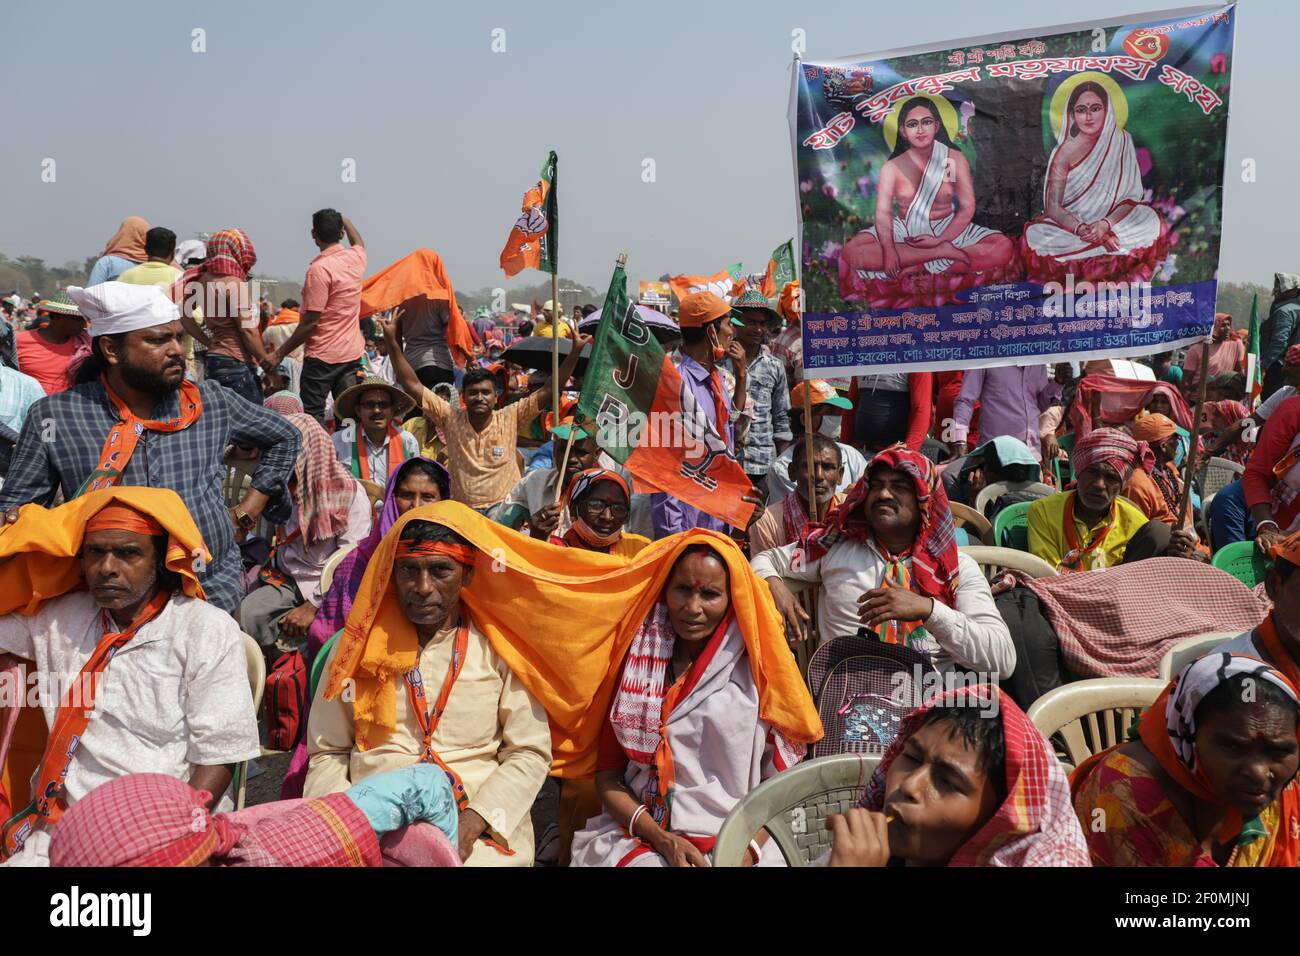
128,241
700,308
420,274
562,619
124,518
1288,549
1154,429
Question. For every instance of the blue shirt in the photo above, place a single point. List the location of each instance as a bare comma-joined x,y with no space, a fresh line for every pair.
109,268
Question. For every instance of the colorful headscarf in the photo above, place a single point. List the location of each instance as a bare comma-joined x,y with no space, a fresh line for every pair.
1151,432
1222,322
934,555
579,484
324,488
151,819
128,241
1036,824
1107,446
230,253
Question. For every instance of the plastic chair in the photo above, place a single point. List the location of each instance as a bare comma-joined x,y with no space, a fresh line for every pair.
239,478
999,488
332,565
255,663
1089,716
793,806
993,561
1011,527
318,666
1217,473
971,519
1186,651
1243,561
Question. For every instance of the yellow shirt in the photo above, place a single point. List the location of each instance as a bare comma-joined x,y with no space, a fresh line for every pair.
1047,531
483,464
151,273
543,328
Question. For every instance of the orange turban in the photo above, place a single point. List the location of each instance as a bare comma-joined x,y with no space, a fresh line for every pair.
1153,428
118,517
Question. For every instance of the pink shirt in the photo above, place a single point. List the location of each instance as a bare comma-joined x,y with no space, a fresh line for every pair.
333,288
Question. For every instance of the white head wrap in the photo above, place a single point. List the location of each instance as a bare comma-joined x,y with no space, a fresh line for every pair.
190,249
113,307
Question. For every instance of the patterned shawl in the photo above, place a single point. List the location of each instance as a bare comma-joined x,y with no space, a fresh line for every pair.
934,555
324,487
1036,824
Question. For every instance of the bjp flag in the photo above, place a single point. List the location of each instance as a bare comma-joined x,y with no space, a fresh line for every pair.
720,284
648,420
780,269
533,243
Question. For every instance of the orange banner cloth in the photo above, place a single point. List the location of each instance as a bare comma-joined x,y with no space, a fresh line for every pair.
284,317
420,273
562,619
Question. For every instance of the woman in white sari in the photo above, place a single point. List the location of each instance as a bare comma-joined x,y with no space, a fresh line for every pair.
932,185
685,740
1092,199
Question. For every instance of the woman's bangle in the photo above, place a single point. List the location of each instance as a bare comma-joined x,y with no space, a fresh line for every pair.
758,851
1260,526
631,824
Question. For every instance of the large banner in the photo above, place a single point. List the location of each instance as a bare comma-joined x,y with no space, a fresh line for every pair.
1014,199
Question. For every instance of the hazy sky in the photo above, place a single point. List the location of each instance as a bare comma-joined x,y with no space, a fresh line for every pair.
446,134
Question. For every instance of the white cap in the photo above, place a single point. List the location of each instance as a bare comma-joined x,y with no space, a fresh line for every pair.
113,307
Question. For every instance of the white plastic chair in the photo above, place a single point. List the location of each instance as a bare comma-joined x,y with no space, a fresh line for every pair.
1186,651
993,561
793,807
1089,716
332,565
1217,473
999,488
255,663
977,526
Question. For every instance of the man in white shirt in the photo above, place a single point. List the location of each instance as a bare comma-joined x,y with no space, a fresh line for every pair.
371,410
162,671
887,565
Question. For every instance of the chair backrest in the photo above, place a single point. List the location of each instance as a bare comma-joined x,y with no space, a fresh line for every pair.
255,661
332,565
999,488
1186,651
969,518
318,666
993,561
239,478
1011,527
793,807
863,689
1243,561
1217,473
1088,716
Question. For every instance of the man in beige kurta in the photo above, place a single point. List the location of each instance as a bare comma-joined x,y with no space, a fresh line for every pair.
493,734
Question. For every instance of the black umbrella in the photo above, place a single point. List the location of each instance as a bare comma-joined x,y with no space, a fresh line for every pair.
535,352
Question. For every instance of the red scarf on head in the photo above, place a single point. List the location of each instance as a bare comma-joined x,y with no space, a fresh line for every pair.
70,722
934,553
125,435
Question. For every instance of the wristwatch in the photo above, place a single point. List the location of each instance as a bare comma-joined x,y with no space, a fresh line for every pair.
245,521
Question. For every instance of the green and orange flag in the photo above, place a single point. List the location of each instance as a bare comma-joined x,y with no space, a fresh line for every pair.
1254,373
780,269
534,241
648,420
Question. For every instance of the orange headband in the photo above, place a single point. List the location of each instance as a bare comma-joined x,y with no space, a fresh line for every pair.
124,518
462,553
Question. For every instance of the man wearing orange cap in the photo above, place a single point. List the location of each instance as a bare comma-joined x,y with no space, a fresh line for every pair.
826,403
1277,638
708,336
135,671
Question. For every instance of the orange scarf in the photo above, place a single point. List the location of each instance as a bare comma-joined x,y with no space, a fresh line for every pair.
70,723
361,460
421,273
125,435
1072,563
1278,655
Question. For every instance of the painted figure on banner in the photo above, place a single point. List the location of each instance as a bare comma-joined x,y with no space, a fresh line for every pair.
1094,222
933,233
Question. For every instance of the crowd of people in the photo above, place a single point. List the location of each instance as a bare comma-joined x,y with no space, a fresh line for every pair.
527,656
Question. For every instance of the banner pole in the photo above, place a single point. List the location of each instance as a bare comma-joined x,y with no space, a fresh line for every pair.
560,475
555,342
1190,463
808,449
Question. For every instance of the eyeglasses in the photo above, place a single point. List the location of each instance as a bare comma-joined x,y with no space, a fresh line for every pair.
614,510
375,406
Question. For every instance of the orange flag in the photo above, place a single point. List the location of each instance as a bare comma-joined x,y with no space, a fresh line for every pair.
720,284
419,274
523,246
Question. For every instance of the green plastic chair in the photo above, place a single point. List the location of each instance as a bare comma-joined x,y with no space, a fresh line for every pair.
793,807
318,666
1011,527
1243,561
1061,470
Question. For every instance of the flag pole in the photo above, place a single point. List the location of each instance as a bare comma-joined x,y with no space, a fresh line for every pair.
555,342
808,449
1190,463
560,475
